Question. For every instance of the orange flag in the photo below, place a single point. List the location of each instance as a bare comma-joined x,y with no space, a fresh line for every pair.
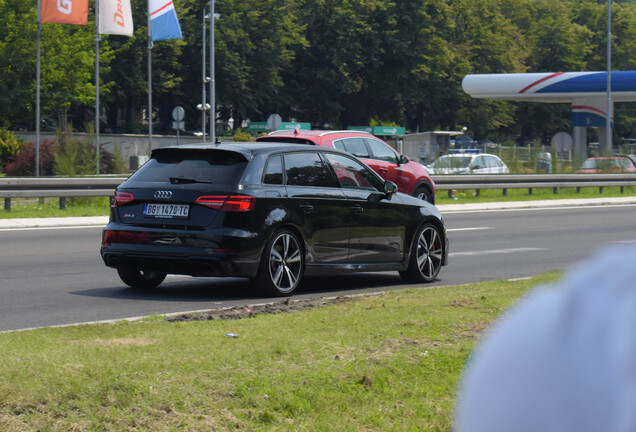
65,11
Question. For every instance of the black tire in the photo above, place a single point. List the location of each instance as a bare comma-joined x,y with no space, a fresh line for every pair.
136,278
424,194
426,257
281,266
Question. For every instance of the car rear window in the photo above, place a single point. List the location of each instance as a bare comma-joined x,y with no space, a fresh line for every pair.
355,146
282,139
215,166
452,162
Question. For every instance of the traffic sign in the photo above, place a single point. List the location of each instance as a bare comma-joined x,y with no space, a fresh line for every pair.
257,126
562,141
388,130
294,125
274,121
178,113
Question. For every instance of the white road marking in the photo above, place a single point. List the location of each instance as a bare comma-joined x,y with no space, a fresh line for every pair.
496,251
467,229
530,207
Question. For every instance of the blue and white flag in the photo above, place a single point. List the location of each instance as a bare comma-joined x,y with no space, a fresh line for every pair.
163,20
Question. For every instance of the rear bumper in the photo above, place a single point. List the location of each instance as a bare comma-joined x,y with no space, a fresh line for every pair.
197,253
223,265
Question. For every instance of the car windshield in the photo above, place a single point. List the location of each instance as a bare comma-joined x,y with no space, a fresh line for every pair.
452,162
605,164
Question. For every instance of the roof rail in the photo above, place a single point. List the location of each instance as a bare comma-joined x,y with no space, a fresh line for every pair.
343,131
468,150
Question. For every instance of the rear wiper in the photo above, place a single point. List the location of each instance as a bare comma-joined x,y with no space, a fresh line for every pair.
182,180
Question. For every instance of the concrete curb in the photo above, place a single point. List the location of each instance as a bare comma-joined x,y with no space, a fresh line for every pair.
53,222
510,205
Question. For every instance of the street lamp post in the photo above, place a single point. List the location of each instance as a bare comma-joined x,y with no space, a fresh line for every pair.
213,16
204,78
608,120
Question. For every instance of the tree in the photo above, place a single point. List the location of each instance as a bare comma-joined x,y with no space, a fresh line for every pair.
254,47
67,64
557,42
17,63
330,70
486,40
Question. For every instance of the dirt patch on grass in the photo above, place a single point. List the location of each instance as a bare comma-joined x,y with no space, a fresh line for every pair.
240,312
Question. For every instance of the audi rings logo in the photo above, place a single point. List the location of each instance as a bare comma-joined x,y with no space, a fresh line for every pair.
163,194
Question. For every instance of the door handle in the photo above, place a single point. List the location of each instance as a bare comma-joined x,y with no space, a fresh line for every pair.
357,209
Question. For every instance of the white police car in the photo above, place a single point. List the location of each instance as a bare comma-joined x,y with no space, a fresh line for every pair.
468,162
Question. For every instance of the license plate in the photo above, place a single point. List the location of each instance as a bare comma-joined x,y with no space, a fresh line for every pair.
168,211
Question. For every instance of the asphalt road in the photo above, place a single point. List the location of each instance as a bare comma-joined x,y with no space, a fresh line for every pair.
55,276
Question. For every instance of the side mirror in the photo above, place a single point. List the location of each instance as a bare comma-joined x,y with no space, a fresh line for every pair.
390,188
403,160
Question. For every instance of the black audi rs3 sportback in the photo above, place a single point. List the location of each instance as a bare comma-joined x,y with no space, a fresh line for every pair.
270,212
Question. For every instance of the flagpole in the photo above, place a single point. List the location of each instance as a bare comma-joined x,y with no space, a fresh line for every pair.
212,95
203,81
37,94
97,40
608,119
149,82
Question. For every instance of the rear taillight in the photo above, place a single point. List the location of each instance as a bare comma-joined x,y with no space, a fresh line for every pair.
121,198
111,236
228,203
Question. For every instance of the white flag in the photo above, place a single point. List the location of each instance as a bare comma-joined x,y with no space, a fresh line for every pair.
115,17
164,23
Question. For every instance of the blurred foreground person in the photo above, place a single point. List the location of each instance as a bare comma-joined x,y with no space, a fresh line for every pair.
563,359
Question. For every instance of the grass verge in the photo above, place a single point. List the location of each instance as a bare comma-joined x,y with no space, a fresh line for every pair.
390,362
50,207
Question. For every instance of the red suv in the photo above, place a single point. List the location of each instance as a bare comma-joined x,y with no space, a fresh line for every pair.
410,177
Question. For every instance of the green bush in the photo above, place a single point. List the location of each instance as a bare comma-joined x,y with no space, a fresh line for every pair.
240,135
9,146
74,158
112,163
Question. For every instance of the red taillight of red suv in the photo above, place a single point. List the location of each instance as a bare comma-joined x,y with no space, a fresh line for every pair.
228,203
121,198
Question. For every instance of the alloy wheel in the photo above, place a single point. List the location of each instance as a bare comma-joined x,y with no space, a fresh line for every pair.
429,253
285,262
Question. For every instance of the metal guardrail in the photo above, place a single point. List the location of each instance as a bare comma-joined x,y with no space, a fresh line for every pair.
532,181
61,187
41,187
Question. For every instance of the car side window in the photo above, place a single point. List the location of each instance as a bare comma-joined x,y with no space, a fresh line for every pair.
307,169
356,147
479,163
353,174
622,163
274,171
382,151
339,145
